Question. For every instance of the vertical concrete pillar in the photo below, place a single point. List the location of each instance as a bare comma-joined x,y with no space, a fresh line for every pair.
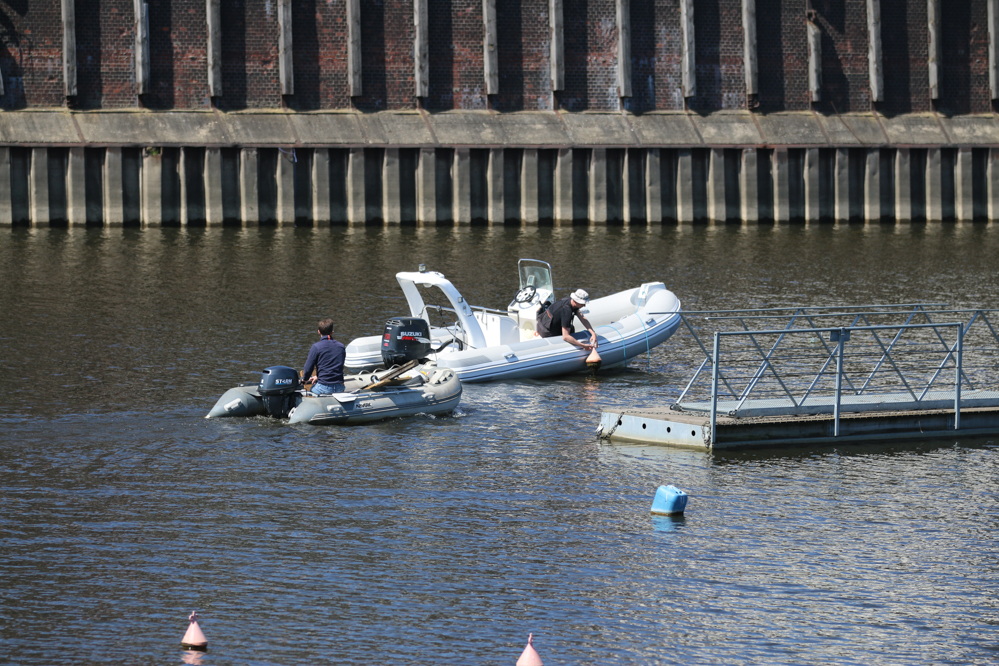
391,180
38,188
355,187
321,186
623,48
684,185
286,72
563,186
903,185
653,186
213,186
249,200
6,207
461,186
841,183
872,186
214,20
529,186
688,73
114,209
874,49
354,49
426,186
141,47
814,61
490,56
421,49
286,187
152,188
749,46
812,207
69,47
557,62
6,199
494,187
598,186
716,186
992,184
964,202
182,172
782,186
934,60
993,19
749,198
934,185
625,187
76,188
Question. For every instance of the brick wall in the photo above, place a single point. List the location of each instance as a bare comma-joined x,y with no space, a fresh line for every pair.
105,70
782,55
455,44
250,71
178,58
524,46
387,68
655,56
319,36
904,55
31,55
964,80
845,71
718,43
590,34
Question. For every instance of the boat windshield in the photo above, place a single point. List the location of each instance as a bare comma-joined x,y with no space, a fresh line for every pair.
537,274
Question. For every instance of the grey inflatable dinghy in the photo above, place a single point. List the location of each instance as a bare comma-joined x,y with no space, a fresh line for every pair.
398,391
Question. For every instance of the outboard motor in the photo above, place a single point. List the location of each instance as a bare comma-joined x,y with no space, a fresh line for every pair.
405,339
278,384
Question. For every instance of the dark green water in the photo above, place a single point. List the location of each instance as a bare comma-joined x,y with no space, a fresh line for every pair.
447,540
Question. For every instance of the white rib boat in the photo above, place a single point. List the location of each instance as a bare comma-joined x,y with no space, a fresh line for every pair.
482,344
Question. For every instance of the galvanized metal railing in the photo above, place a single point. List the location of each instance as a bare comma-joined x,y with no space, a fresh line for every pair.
951,355
810,363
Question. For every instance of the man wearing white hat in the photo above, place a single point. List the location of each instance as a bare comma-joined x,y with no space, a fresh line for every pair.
559,319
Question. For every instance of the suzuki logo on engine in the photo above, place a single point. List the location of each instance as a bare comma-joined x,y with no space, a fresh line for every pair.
409,334
282,381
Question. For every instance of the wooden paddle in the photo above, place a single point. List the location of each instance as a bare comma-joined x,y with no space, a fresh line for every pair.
406,367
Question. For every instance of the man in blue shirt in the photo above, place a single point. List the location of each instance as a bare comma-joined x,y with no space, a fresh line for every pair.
326,358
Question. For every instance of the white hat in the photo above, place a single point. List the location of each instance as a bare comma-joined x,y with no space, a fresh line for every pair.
580,297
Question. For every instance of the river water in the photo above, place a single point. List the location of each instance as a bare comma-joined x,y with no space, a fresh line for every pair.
447,540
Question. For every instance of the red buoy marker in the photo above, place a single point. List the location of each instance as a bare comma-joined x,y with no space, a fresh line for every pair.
530,656
194,639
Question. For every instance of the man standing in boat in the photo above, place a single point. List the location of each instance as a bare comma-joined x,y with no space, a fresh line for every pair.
559,319
326,358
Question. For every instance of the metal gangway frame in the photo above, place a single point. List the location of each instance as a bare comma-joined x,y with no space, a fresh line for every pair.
944,338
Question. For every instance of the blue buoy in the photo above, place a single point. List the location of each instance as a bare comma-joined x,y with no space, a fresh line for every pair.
669,501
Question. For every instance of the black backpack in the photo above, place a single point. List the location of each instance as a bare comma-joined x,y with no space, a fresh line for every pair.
543,323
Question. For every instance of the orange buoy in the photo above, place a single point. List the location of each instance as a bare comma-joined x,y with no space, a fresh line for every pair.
593,361
530,656
194,639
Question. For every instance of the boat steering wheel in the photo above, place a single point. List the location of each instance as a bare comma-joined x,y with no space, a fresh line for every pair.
526,295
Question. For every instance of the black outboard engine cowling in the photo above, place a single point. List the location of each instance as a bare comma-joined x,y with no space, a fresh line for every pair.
278,385
405,339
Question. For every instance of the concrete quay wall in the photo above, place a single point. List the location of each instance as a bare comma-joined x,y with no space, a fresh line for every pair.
60,167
